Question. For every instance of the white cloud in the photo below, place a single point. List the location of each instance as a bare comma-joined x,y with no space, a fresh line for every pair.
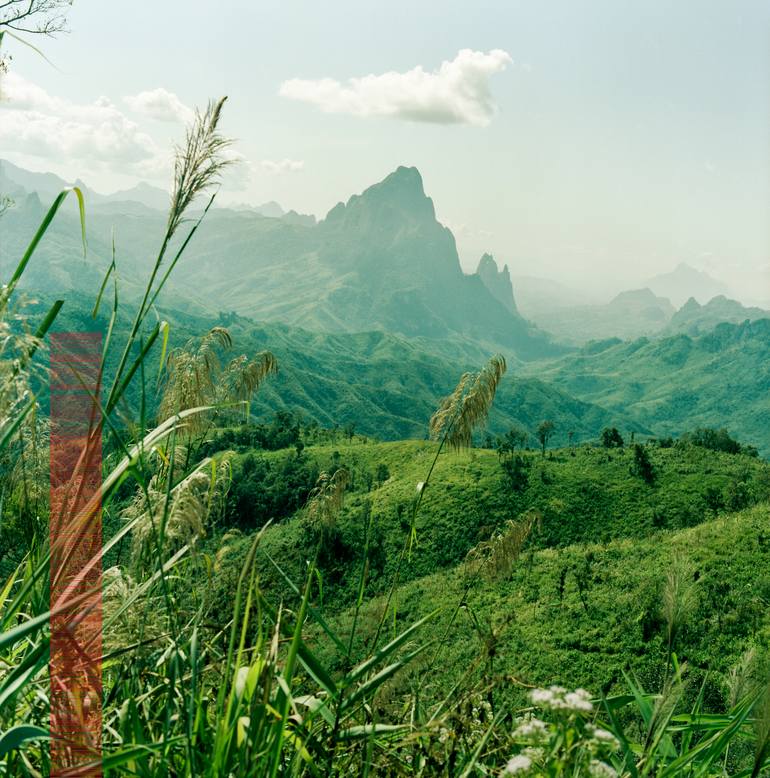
456,93
37,124
282,166
160,104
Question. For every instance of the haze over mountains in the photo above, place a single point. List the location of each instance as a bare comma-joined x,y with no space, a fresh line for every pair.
381,261
684,282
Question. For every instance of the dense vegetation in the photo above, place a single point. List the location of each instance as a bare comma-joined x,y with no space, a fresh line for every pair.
581,495
673,384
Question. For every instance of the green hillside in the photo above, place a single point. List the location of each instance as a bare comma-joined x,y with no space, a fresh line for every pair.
588,495
581,615
696,319
386,385
717,379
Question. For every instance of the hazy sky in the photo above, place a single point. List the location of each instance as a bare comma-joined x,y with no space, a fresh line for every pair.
594,141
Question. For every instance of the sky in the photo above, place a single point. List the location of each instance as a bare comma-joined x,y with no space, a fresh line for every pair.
589,141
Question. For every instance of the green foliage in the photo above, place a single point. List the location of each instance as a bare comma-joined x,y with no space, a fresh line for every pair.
673,384
611,438
268,488
717,440
591,497
642,466
545,432
515,437
516,469
282,432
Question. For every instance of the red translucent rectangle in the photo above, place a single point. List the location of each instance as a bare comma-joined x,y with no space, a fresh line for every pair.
76,565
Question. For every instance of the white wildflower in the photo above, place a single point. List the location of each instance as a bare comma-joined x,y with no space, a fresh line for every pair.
598,769
602,736
518,765
541,697
579,701
559,699
532,729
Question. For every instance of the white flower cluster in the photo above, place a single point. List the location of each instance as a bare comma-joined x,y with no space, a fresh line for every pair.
524,763
597,769
602,737
531,730
519,765
557,698
569,741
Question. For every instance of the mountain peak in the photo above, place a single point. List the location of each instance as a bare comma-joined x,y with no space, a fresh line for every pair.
406,178
399,197
486,264
498,282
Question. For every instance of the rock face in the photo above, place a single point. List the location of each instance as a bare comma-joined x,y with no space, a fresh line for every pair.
497,281
397,269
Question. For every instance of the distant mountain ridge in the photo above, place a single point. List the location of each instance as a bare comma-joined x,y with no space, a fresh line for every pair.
695,319
629,314
18,183
380,260
717,379
684,282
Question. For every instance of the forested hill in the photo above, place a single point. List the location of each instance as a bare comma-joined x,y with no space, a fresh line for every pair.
720,378
588,585
384,385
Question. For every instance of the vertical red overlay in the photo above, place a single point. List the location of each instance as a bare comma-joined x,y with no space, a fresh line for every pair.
76,564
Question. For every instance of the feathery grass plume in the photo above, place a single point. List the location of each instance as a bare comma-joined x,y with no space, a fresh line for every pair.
24,469
679,600
197,167
741,680
182,518
495,558
191,372
17,345
129,609
198,163
243,376
453,423
468,405
195,375
325,501
24,481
